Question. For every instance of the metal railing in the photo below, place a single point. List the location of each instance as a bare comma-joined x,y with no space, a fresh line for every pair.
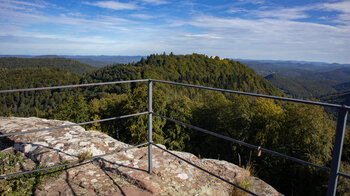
336,154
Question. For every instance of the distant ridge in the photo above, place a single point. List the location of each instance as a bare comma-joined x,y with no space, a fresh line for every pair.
50,62
104,60
319,63
93,60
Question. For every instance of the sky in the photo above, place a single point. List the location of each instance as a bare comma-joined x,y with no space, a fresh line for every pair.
306,30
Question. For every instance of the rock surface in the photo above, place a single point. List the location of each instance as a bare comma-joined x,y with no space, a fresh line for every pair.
123,173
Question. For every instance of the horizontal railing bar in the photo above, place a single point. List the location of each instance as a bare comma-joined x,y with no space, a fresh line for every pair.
244,143
72,125
344,175
71,86
256,95
206,171
72,163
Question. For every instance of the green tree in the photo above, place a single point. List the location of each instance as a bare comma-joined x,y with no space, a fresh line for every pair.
137,126
306,133
177,136
112,106
74,109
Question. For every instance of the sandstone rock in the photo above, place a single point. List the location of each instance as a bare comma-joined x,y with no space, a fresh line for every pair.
123,173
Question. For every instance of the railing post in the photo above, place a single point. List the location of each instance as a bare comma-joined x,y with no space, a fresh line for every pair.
337,151
150,126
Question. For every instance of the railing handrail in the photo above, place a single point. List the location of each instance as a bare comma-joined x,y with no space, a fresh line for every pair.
337,149
258,148
71,86
256,94
182,84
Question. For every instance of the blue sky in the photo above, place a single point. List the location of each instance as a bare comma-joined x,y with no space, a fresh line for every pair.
251,29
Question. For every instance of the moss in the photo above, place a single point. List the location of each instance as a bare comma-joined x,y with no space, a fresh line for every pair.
244,183
85,155
23,184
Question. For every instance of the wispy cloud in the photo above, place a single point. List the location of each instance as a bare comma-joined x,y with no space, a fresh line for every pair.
343,8
142,16
76,20
210,36
114,5
155,2
267,37
284,13
251,1
21,3
236,10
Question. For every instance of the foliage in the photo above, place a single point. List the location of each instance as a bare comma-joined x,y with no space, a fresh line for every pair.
23,184
306,133
244,183
74,109
297,130
195,68
32,103
301,88
108,107
85,155
177,136
137,126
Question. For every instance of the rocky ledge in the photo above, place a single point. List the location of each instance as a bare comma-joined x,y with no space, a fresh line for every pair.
123,173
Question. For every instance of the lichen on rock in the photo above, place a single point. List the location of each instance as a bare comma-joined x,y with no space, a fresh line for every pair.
123,173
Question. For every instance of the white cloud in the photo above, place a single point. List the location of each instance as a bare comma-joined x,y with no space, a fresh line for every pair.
22,3
114,5
155,2
142,16
266,28
100,22
209,36
236,10
270,38
284,13
343,7
252,1
35,45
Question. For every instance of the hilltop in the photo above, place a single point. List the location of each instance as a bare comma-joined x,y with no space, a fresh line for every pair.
195,68
43,71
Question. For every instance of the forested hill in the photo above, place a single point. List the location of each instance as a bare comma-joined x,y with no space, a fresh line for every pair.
50,63
195,69
35,77
29,103
301,88
304,79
